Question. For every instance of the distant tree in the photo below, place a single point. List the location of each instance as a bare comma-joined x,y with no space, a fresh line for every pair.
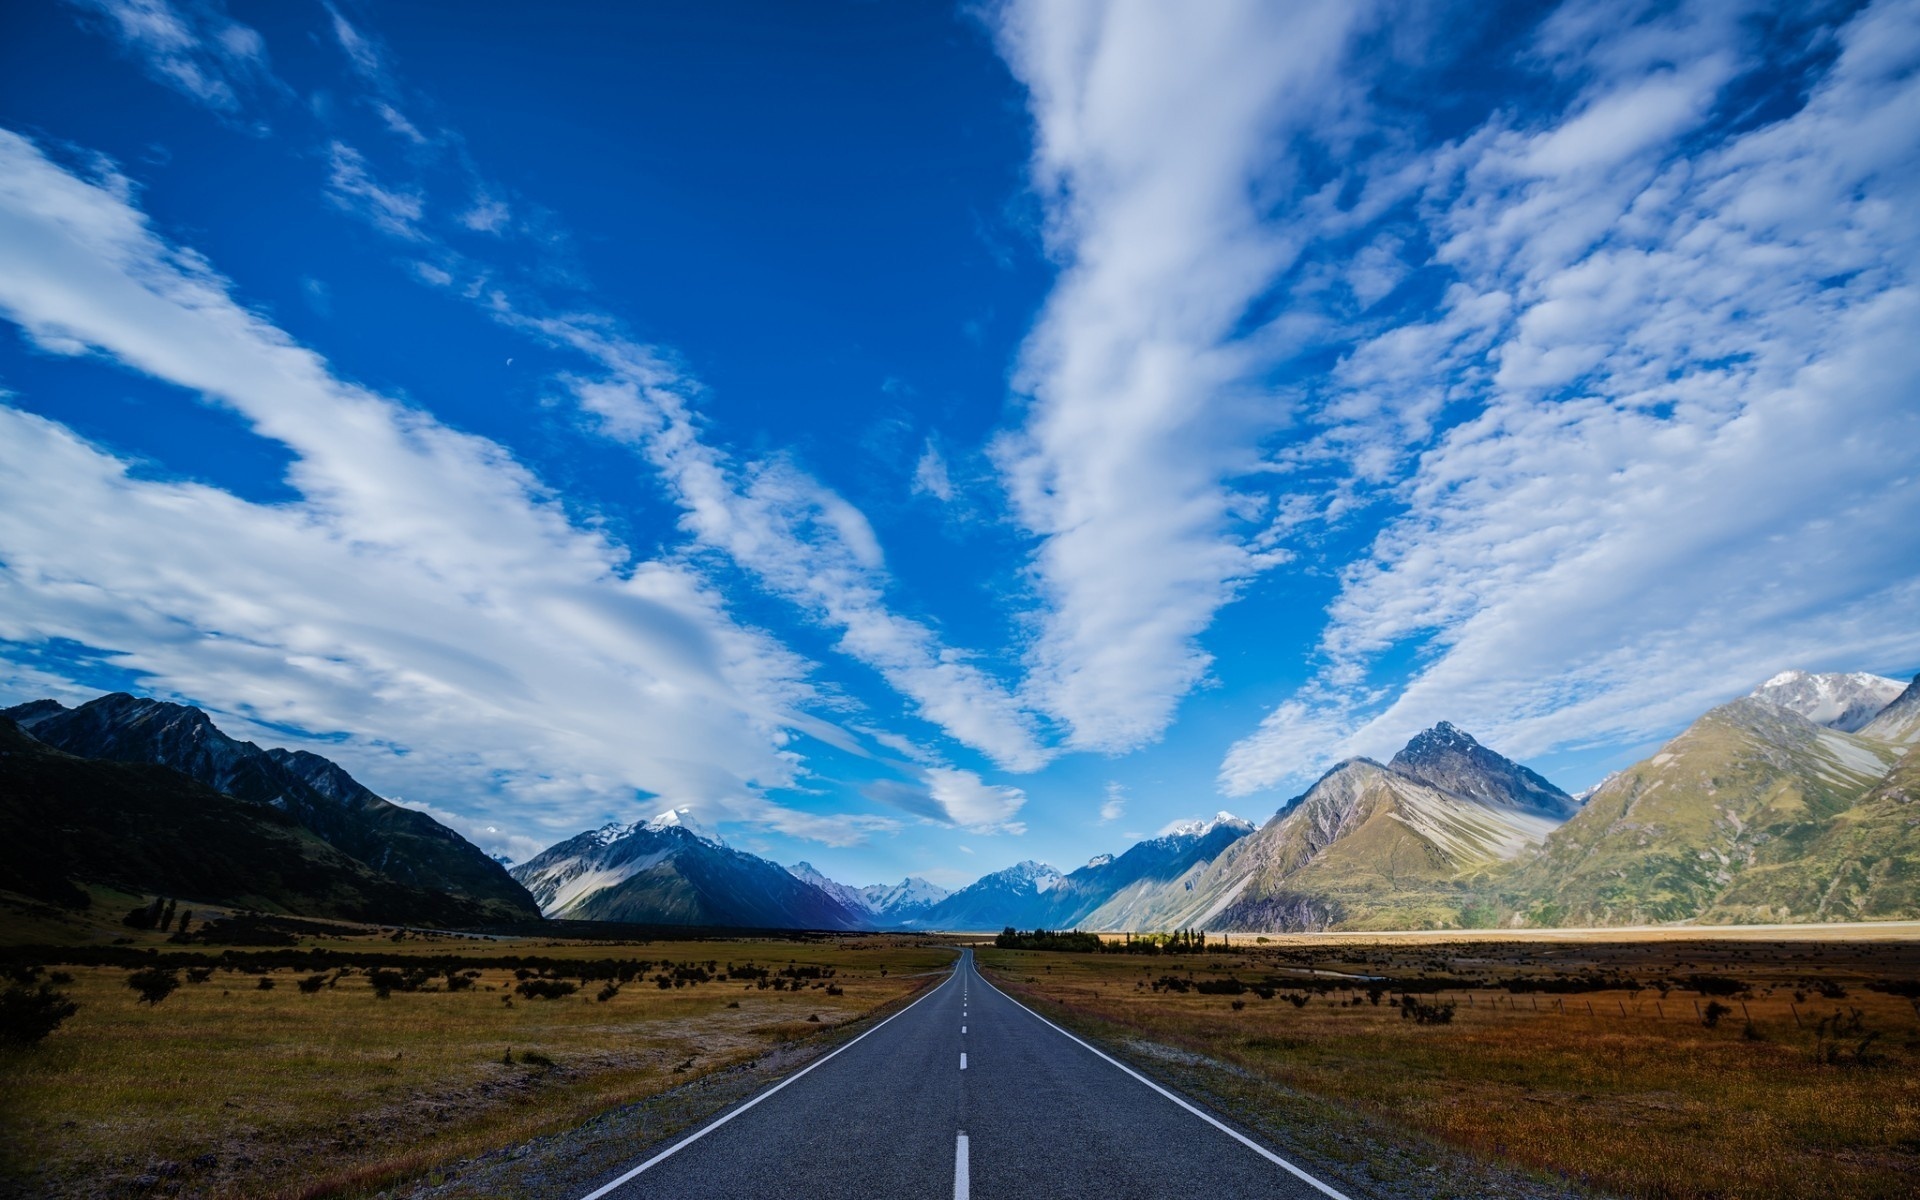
154,984
166,917
1715,1010
144,917
28,1014
186,923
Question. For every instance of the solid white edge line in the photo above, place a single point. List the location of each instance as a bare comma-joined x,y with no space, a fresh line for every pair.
704,1130
1235,1134
961,1185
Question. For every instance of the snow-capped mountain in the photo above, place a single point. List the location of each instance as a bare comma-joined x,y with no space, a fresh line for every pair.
907,900
852,897
668,871
1009,897
902,904
1898,722
1844,702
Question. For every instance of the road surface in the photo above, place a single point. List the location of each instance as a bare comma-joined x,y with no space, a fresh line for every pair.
965,1093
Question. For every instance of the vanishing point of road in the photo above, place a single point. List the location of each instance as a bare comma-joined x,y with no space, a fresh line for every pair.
965,1093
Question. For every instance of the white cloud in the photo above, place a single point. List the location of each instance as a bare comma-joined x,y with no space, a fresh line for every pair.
1688,442
973,804
352,187
930,475
425,597
197,51
792,534
1161,136
799,539
1115,805
489,214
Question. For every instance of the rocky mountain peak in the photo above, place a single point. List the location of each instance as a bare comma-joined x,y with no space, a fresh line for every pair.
1846,702
1448,758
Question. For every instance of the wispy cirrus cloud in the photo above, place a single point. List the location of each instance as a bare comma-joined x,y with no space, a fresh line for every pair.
198,50
1162,139
425,590
794,536
1672,383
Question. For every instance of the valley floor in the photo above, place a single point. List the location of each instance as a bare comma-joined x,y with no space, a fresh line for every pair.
1588,1060
246,1085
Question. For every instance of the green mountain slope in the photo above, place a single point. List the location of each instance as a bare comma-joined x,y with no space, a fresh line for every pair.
1749,790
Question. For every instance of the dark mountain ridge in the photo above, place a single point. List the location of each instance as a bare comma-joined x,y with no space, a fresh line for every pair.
408,847
149,829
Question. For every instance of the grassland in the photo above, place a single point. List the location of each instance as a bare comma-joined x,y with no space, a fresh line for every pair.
246,1085
1588,1059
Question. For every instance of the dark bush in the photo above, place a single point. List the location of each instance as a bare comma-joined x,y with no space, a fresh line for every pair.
28,1014
546,989
1714,1011
311,984
154,984
1422,1013
1220,987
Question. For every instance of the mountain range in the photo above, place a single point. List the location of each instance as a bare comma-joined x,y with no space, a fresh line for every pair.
1794,803
671,871
427,872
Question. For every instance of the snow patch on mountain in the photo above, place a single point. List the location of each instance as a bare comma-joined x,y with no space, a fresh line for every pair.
1198,827
1846,702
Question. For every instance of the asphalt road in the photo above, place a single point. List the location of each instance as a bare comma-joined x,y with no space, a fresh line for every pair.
966,1093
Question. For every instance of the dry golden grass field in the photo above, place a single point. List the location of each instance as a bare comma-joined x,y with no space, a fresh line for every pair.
246,1085
1588,1059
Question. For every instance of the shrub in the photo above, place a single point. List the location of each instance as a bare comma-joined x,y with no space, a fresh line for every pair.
1714,1011
266,984
546,989
28,1014
154,984
1220,987
311,984
1422,1013
607,992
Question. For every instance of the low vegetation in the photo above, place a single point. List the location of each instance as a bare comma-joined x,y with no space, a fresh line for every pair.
1678,1070
163,1067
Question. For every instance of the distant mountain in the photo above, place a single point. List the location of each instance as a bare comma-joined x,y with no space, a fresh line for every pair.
1014,896
1034,895
1103,894
406,846
903,902
150,830
1843,702
1898,722
896,905
1372,846
667,871
1752,814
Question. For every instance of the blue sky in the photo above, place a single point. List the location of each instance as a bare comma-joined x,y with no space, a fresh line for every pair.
919,439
